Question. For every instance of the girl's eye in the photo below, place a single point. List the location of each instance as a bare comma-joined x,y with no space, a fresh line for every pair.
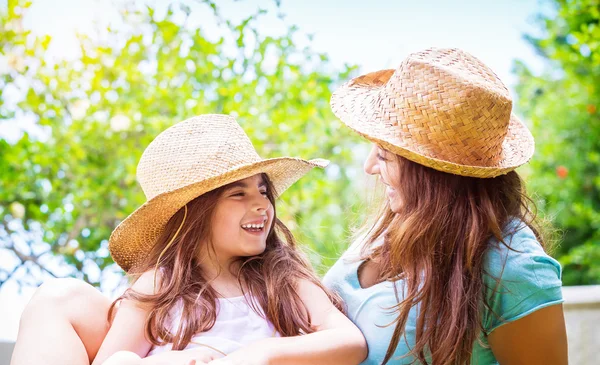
238,194
380,157
264,193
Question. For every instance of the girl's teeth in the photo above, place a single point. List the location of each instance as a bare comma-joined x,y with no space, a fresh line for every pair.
253,226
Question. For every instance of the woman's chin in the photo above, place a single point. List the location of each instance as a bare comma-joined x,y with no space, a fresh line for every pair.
394,205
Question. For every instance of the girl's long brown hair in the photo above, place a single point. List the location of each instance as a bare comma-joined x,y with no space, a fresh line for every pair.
436,243
271,277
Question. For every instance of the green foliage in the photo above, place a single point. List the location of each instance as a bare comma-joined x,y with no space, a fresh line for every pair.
563,105
63,190
66,186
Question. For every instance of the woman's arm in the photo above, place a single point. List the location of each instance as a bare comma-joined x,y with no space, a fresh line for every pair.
538,338
336,340
127,330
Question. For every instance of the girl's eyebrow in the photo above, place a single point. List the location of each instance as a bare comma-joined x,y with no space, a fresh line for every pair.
243,185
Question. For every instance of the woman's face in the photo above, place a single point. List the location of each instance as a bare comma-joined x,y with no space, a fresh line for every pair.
384,164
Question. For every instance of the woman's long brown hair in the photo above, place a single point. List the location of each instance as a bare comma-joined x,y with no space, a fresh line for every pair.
271,277
436,243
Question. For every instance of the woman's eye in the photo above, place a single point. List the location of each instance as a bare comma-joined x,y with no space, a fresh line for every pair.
264,193
380,157
238,194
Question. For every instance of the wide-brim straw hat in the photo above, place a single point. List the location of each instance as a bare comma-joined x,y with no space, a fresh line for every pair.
442,108
185,161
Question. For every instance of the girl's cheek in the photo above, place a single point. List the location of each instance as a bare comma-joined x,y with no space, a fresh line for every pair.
270,212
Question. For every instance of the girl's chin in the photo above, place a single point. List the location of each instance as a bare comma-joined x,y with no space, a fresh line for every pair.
255,248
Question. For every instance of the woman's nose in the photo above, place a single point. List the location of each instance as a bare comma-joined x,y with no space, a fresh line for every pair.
371,165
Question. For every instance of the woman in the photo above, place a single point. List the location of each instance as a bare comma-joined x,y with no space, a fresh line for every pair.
453,270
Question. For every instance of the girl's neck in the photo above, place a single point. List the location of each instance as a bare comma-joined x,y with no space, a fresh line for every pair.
222,278
227,288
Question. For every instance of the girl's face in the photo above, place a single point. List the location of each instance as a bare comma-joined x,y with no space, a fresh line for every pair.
381,162
242,219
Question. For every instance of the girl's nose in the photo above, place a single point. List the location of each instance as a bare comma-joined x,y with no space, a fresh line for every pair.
261,203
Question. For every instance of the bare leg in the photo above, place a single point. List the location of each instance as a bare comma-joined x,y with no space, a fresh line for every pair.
64,323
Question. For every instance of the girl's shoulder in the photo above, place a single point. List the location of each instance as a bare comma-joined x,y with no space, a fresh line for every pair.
147,282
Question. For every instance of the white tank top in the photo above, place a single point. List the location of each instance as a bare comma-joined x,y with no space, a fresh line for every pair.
236,325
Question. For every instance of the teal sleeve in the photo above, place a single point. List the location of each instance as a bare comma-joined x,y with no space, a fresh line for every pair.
519,280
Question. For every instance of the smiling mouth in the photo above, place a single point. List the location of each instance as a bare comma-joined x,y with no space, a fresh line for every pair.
254,227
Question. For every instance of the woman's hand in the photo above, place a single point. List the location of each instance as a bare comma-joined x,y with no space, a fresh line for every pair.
255,354
123,358
195,362
194,356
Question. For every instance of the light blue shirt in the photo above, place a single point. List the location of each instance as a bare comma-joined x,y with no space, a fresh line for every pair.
529,280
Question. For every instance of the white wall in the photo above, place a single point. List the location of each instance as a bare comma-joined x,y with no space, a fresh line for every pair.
582,314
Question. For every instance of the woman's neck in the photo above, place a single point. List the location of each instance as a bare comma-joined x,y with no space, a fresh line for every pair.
369,274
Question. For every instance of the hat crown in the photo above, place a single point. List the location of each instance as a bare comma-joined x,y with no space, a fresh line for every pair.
175,158
449,105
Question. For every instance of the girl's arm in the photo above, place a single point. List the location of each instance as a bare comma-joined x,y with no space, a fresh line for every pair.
127,330
538,338
181,357
336,340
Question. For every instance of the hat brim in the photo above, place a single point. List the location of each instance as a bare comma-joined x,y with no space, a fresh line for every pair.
355,104
134,237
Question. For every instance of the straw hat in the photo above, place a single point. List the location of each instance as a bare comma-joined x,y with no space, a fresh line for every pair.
185,161
442,108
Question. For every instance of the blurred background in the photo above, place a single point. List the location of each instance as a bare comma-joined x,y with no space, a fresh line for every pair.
85,85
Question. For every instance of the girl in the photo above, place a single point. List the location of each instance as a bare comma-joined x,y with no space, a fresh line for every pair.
452,271
215,269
